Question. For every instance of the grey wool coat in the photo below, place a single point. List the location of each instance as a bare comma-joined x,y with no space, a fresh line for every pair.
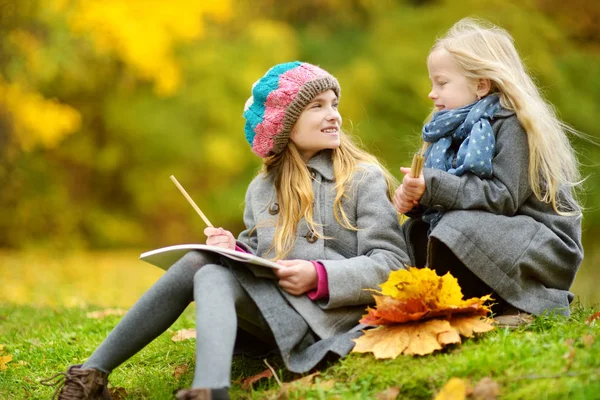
519,246
305,330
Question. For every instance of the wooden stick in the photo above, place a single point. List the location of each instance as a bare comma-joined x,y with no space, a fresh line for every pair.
187,196
417,163
273,372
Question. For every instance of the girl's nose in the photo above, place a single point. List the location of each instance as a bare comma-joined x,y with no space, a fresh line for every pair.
333,114
432,95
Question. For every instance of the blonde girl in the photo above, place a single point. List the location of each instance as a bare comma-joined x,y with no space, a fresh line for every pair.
320,206
495,204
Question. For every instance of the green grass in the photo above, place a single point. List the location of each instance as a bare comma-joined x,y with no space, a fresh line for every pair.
527,363
44,298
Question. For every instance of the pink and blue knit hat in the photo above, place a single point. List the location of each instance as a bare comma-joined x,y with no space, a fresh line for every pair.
278,99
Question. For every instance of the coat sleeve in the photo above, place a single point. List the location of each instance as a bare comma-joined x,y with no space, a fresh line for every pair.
381,247
248,239
503,194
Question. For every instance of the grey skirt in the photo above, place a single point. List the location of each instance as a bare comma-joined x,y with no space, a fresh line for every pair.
299,346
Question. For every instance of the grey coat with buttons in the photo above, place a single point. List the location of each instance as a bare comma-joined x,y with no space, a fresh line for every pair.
519,246
306,330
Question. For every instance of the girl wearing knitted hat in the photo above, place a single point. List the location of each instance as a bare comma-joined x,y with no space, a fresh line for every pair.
494,205
320,206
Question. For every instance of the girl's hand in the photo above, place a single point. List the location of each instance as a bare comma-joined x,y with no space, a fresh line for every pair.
297,276
219,237
410,192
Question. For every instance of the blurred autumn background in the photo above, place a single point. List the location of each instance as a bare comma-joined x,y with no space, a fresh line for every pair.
102,100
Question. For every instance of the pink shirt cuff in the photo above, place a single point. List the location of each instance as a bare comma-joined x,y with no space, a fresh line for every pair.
238,248
322,290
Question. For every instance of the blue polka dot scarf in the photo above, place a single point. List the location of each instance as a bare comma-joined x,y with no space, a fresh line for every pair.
467,128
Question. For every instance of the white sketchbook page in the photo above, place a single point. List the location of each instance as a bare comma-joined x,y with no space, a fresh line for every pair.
167,256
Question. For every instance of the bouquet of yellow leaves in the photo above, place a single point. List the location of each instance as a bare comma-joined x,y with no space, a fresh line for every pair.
419,312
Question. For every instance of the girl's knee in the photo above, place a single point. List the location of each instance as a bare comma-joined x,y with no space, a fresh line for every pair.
191,262
213,275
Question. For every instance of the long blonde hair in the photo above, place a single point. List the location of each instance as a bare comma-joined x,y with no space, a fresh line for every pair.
485,51
293,184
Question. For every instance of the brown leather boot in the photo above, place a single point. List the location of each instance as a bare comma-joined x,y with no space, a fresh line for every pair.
79,384
203,394
512,317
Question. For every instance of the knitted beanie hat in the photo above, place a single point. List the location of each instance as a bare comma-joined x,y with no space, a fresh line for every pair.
278,99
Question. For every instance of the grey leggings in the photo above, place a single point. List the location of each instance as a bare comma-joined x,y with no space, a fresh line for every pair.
221,304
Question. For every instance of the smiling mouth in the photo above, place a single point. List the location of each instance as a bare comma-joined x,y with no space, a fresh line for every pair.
440,107
330,131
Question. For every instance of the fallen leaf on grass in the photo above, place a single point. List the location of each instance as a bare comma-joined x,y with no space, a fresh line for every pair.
454,389
305,381
184,334
4,360
105,313
588,341
592,318
420,312
418,338
117,393
324,385
570,354
486,389
308,382
411,338
247,383
180,370
388,394
468,326
418,293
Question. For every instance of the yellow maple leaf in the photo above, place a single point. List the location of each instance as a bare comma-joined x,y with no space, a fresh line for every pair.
454,389
420,337
3,361
467,326
420,312
419,293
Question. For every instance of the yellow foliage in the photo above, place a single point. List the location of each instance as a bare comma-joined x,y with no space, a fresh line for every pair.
144,33
419,293
4,359
215,148
36,120
420,312
104,279
454,389
419,338
425,284
29,46
277,39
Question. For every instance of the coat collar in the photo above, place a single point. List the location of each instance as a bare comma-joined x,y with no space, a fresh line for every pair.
504,113
323,164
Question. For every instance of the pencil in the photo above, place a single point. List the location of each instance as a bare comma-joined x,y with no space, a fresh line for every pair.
187,196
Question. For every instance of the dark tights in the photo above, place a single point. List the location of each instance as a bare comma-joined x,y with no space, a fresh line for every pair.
442,260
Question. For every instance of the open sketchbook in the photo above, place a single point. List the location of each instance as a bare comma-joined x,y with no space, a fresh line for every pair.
167,256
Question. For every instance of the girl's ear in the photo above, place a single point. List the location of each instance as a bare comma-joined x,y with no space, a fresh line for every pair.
483,87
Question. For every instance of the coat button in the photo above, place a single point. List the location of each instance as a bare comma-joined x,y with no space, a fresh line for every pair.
311,237
439,207
274,209
313,173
